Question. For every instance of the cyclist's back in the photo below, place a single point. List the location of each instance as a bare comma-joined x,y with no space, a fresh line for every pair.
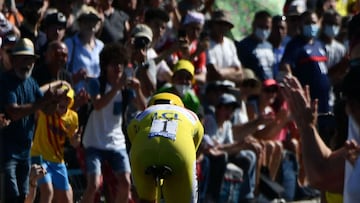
165,135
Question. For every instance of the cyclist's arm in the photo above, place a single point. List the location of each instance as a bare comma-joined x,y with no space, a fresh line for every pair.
199,133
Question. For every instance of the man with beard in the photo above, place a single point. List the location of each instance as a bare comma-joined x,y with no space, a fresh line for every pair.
21,97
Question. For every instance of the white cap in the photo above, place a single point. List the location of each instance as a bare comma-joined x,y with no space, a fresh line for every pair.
194,17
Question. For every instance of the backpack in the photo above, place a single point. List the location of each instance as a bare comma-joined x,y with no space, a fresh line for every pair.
230,187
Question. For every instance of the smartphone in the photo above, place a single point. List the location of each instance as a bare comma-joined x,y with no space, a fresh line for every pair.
129,72
37,160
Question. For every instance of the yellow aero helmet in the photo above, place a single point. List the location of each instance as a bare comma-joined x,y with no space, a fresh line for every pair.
166,98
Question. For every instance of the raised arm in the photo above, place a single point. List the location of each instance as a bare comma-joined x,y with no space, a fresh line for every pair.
321,164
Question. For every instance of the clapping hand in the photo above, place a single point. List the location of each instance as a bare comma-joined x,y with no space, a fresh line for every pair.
303,110
52,97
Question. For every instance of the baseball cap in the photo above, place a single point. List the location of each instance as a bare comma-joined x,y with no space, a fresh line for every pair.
194,17
24,47
295,8
269,82
142,30
183,64
228,99
55,18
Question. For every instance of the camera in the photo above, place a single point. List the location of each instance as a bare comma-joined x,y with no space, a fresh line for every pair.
141,42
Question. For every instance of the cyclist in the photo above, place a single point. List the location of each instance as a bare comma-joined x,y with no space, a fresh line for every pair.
165,134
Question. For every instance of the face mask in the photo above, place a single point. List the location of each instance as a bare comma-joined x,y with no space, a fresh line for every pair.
310,31
182,89
331,30
262,34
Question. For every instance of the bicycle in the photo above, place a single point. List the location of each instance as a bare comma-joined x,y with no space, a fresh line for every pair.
159,173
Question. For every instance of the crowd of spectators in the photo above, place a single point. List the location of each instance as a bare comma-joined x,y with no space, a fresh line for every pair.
83,69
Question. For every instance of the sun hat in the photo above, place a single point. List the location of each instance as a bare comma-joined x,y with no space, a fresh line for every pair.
24,47
88,13
186,65
221,16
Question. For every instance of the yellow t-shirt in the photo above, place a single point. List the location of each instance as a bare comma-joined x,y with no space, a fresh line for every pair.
51,133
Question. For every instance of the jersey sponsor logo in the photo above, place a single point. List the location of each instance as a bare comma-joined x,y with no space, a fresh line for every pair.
165,108
163,127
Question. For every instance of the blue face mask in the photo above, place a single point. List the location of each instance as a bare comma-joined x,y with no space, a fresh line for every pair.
310,31
331,30
262,34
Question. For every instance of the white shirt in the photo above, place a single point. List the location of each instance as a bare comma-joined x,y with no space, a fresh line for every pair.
222,54
352,173
103,129
221,135
162,67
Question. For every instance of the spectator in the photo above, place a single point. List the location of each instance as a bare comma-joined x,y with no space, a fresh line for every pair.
305,58
84,48
156,19
12,14
320,162
336,53
219,128
7,28
116,26
54,65
255,51
146,69
278,39
292,11
33,12
181,85
195,51
49,139
104,139
222,59
21,97
54,26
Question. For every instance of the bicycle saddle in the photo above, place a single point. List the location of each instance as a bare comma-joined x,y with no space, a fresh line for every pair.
161,172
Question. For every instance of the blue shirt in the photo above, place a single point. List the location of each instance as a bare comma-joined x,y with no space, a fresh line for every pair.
17,137
308,65
256,55
82,58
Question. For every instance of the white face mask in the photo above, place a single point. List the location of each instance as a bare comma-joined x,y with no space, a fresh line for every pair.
331,30
182,89
262,34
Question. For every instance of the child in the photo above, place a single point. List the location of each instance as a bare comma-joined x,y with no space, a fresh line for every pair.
49,139
104,140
